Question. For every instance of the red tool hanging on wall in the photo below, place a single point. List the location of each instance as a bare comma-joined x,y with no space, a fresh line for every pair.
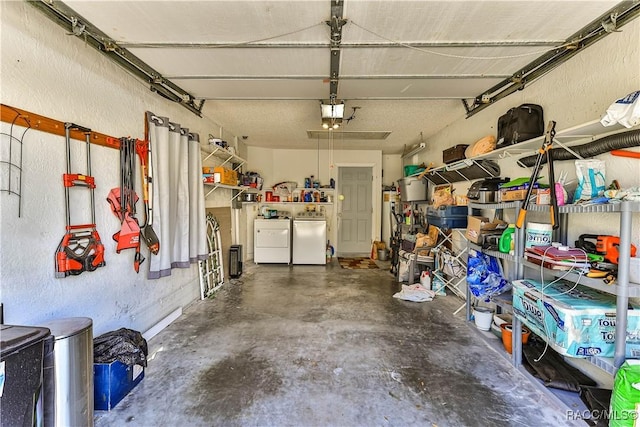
80,248
123,203
143,149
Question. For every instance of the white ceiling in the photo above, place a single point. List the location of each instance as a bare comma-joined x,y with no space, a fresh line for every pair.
269,85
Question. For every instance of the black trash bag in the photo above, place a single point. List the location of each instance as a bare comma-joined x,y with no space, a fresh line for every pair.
125,345
552,369
598,401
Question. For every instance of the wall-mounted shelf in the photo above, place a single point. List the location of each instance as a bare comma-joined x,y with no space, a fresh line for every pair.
464,170
467,169
240,190
223,154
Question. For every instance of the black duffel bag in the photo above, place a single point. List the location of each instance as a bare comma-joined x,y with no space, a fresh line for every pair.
519,124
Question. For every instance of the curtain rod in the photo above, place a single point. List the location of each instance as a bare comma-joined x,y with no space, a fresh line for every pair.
56,127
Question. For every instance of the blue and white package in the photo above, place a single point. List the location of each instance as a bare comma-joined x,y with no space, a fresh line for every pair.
576,321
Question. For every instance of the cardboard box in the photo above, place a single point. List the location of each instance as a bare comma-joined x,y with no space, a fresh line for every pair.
518,192
112,382
478,225
575,320
507,195
225,176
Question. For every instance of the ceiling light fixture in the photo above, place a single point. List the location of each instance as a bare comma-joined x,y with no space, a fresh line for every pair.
332,115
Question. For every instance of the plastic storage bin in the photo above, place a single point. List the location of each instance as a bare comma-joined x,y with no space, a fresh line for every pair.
21,353
413,189
112,382
412,169
448,216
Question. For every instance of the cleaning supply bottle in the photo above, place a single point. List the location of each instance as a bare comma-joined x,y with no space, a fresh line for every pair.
506,242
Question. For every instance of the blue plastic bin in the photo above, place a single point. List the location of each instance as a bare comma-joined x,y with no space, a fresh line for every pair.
112,382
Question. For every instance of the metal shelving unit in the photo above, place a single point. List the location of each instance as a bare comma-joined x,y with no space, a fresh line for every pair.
622,289
516,260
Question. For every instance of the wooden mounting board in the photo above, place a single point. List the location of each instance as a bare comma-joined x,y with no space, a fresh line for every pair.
45,124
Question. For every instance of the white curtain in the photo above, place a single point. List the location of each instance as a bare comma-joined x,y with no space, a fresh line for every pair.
178,196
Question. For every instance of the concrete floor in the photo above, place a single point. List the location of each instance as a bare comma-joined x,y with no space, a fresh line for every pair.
325,346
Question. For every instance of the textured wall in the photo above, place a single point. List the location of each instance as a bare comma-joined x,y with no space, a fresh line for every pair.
50,73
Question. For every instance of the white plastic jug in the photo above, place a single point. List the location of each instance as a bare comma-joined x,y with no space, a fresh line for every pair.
425,280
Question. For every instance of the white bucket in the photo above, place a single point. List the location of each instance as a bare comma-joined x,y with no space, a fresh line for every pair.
483,318
537,234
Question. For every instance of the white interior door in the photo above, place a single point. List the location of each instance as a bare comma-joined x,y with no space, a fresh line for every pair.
355,210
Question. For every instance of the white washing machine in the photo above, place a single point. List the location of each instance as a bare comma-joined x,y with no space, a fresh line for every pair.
272,240
309,238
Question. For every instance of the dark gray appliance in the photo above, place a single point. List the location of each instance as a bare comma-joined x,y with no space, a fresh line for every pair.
486,190
235,261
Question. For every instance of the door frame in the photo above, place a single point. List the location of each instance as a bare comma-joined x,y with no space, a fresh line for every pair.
376,200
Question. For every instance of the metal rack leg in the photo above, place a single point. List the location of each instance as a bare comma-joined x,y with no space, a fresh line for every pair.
623,285
516,342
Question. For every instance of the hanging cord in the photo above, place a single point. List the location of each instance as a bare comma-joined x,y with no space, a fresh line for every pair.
10,163
244,43
491,58
543,287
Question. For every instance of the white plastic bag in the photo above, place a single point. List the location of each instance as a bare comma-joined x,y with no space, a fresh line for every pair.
625,111
591,179
415,293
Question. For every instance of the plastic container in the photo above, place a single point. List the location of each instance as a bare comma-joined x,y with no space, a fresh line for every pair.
21,354
538,234
113,381
505,244
507,336
413,189
411,169
447,222
483,317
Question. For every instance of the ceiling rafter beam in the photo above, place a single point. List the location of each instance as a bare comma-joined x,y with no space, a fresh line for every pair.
348,45
620,15
345,77
77,25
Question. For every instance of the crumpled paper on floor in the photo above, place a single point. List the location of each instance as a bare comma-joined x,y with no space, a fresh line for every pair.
415,293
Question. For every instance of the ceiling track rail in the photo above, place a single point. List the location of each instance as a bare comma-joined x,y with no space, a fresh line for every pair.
335,24
609,22
77,25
